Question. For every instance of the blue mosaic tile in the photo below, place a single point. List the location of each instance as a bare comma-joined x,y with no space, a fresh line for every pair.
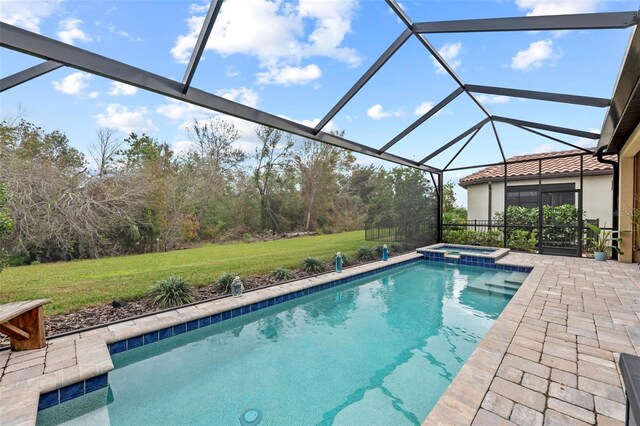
216,318
179,329
165,333
245,309
48,399
117,347
271,302
96,383
235,312
263,304
134,342
225,315
203,322
150,337
192,325
279,299
72,391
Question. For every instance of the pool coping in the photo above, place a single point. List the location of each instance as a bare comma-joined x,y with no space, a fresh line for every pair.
93,348
495,255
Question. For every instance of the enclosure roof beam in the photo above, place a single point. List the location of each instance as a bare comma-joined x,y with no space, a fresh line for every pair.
373,69
201,43
495,132
454,140
24,41
427,115
585,21
28,74
548,127
541,96
553,139
434,52
461,149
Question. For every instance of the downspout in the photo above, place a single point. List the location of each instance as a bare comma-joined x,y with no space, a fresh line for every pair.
616,192
489,210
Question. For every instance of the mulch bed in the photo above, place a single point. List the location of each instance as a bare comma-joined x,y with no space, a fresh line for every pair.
106,313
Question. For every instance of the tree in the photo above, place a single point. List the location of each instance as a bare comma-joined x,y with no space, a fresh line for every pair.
451,211
213,140
104,151
6,225
319,166
271,157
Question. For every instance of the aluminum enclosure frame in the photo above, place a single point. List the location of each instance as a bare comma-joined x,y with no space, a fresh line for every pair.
57,54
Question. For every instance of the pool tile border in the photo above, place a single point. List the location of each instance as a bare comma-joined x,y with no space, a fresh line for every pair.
75,390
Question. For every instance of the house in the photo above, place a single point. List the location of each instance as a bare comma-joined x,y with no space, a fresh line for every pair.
557,173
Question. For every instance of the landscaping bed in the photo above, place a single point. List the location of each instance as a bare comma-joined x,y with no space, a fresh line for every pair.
104,313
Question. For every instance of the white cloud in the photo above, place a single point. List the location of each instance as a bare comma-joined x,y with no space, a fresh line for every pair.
329,127
93,95
69,31
279,34
182,147
377,113
122,89
27,14
242,95
450,52
185,113
126,119
73,84
288,75
535,55
423,108
558,7
491,99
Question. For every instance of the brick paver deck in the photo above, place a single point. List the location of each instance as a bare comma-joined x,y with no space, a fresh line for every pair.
551,358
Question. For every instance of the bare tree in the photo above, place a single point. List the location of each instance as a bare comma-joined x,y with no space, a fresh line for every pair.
104,151
270,157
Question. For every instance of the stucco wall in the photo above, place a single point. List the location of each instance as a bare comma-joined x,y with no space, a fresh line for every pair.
597,196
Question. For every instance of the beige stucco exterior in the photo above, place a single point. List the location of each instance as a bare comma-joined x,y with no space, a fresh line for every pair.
628,200
597,196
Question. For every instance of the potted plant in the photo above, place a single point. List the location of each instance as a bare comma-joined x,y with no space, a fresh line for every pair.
601,244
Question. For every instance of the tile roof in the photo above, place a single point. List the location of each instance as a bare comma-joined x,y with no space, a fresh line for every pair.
553,166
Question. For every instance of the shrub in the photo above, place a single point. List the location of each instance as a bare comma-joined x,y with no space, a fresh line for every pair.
312,265
522,240
174,291
365,253
225,280
282,273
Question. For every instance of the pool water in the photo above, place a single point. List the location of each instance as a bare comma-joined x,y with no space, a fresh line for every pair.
380,350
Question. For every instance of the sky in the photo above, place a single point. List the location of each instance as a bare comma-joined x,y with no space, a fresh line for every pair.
296,59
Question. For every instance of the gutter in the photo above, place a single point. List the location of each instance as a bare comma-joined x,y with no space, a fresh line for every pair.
616,191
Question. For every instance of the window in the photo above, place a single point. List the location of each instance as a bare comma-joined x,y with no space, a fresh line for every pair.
552,195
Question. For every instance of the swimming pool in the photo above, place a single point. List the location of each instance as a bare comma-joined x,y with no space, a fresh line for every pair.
378,350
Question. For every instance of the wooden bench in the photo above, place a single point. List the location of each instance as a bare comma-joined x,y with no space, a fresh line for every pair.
23,322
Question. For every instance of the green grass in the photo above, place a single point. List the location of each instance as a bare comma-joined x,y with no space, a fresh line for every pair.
72,285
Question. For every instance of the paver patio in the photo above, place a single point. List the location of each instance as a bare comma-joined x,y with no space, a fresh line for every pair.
550,358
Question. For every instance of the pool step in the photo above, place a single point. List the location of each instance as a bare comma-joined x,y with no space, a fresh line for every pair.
483,288
500,280
492,283
517,277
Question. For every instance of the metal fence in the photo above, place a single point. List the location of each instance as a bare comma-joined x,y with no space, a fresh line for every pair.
421,234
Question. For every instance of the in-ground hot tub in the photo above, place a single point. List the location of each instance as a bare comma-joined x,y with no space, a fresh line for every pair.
463,254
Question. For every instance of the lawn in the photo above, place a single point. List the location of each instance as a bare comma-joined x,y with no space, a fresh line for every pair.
72,285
